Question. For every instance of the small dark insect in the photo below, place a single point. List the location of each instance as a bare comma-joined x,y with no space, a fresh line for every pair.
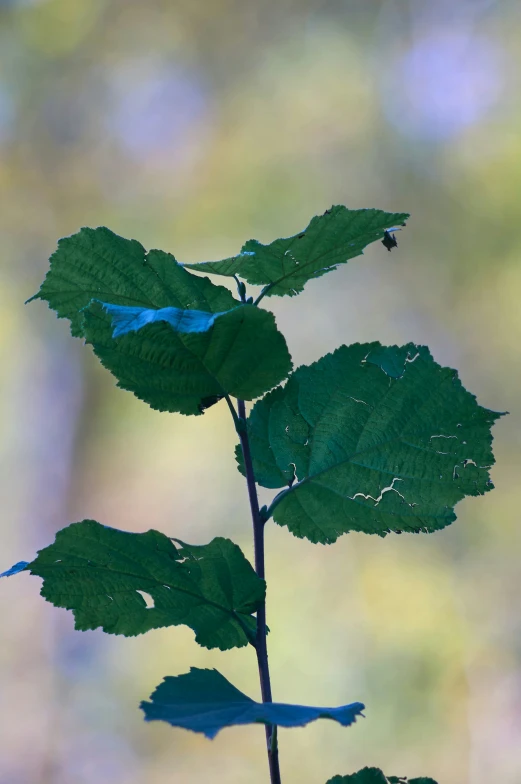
389,241
206,402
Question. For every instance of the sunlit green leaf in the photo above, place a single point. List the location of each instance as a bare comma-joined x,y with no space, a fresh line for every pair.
285,265
129,583
375,776
241,353
205,701
372,439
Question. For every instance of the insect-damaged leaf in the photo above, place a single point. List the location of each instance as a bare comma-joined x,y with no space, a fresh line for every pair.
168,366
178,361
205,701
375,776
101,574
285,265
373,439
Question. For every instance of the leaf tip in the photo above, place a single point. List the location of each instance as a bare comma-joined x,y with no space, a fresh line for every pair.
17,567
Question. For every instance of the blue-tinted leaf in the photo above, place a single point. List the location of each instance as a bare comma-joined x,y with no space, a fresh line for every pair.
205,701
18,567
130,319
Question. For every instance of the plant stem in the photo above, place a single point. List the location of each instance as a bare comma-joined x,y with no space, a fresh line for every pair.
234,414
260,646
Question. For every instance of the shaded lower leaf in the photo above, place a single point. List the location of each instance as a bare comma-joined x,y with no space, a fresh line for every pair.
370,438
375,776
239,353
205,701
105,577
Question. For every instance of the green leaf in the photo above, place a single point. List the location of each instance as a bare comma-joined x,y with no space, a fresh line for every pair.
204,701
285,265
377,440
365,776
98,264
168,366
100,574
405,780
241,353
375,776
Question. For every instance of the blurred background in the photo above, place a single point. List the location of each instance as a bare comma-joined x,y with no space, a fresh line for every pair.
193,126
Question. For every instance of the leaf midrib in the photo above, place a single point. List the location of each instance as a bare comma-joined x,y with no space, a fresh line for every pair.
155,582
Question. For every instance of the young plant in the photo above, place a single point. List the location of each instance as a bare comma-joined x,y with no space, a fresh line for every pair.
369,438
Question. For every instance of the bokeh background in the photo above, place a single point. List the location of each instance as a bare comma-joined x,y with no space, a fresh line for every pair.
193,126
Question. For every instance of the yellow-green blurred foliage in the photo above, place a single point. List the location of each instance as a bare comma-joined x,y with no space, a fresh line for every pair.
192,125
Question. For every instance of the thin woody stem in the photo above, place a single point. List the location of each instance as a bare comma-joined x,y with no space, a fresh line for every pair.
260,644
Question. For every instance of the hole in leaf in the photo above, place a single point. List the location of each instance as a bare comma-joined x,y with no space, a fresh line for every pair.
358,401
388,489
149,600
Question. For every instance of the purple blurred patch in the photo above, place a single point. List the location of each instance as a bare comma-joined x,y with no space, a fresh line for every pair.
445,82
155,107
